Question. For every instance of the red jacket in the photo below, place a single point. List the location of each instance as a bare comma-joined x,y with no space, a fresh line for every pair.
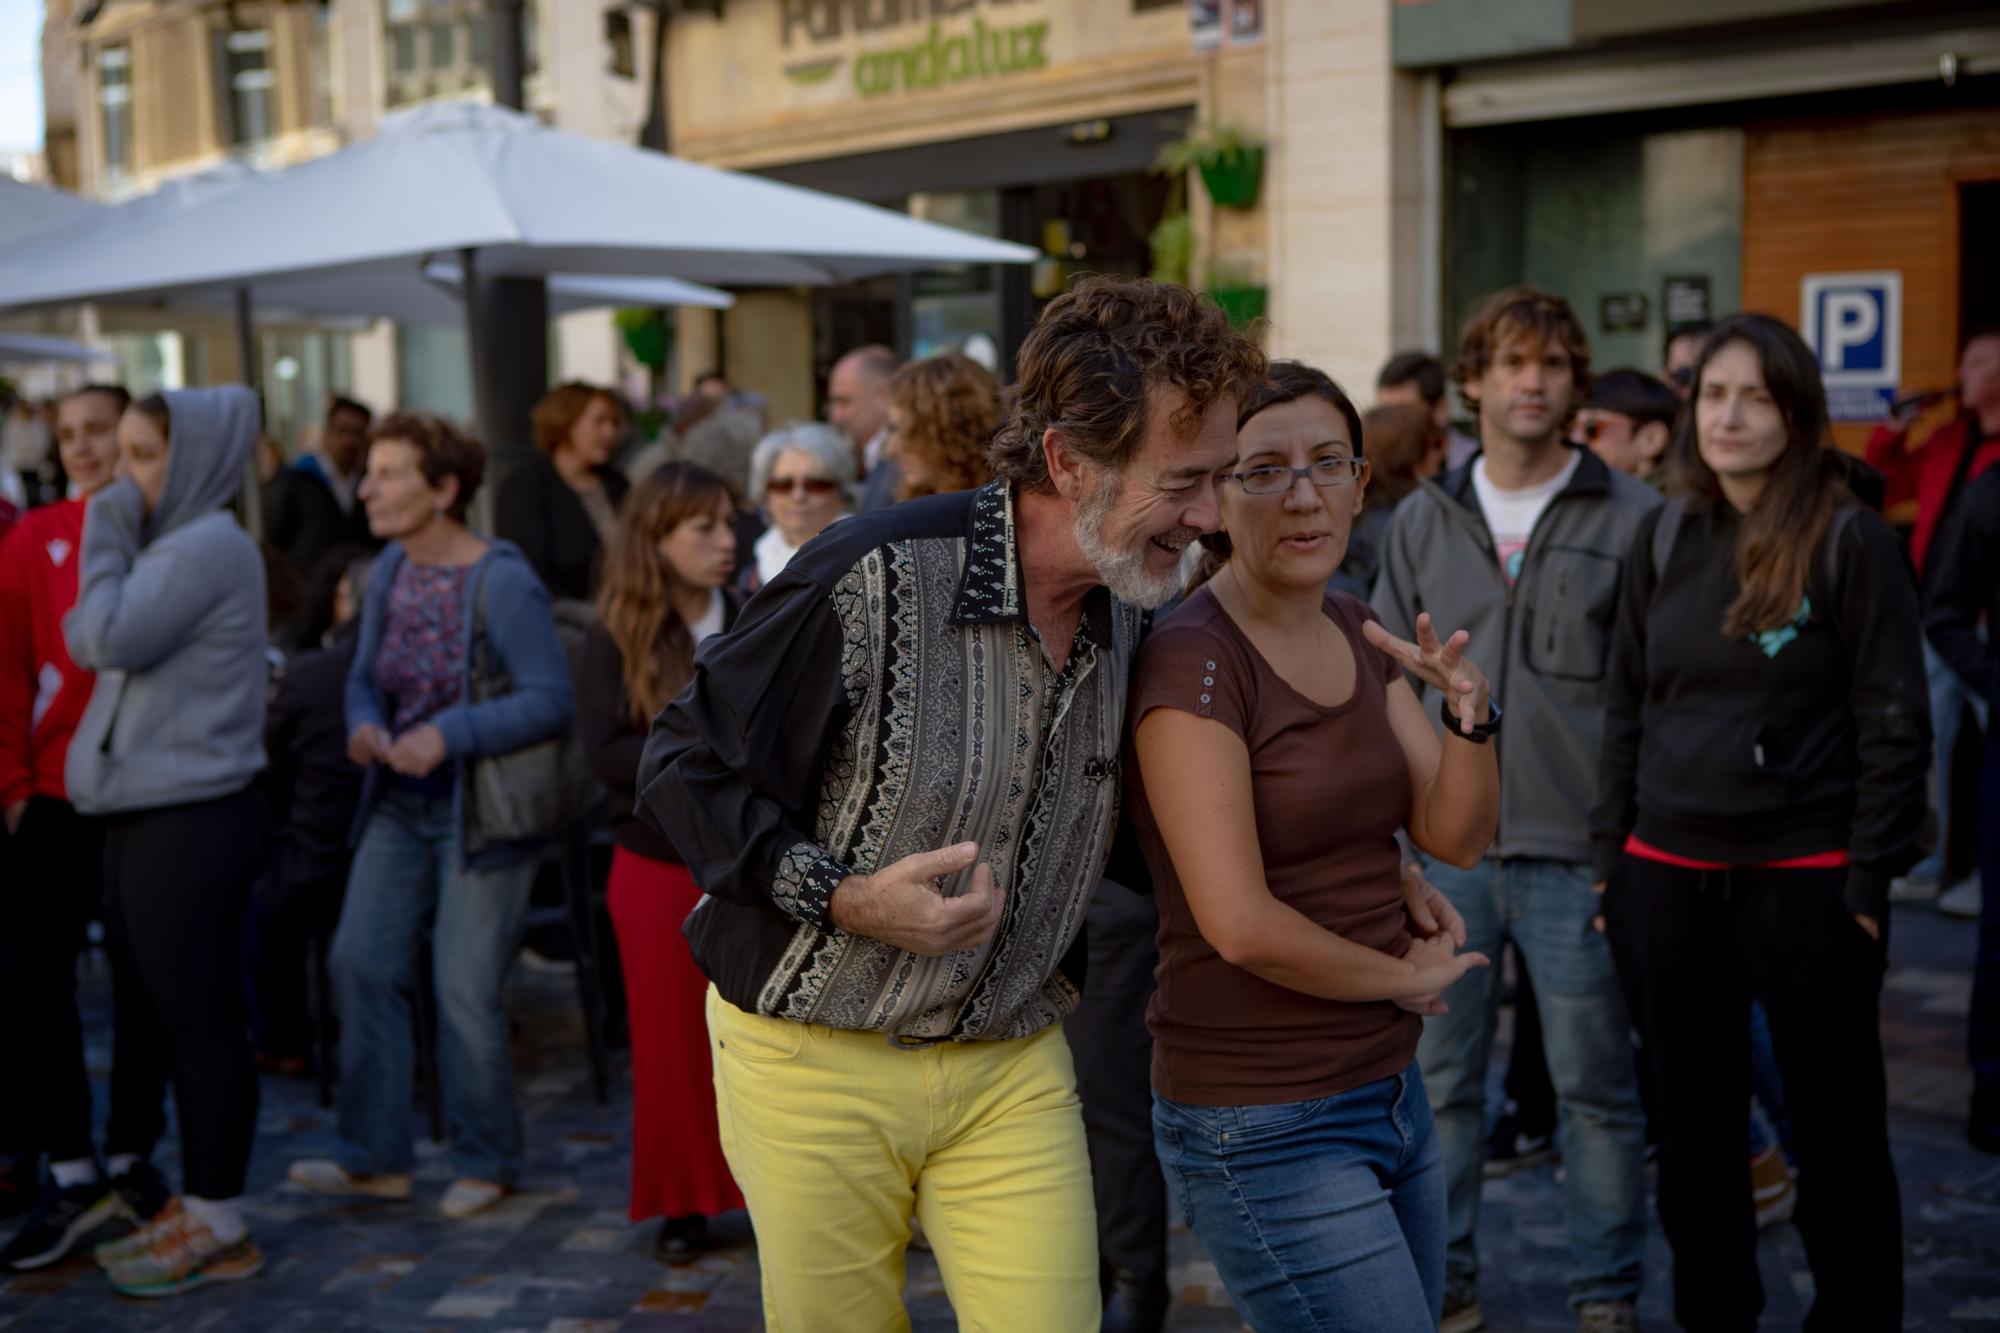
1924,473
42,692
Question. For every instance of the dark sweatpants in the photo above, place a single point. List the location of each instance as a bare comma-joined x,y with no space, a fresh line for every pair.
1692,946
177,885
1114,1080
52,889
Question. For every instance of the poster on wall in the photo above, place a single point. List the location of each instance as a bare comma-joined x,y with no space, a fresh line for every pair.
1853,322
1246,22
1623,312
1685,300
1205,23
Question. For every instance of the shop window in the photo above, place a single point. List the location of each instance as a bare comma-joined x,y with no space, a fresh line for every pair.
441,48
243,60
618,41
114,104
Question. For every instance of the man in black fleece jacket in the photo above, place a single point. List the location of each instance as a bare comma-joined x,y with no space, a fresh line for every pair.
1964,590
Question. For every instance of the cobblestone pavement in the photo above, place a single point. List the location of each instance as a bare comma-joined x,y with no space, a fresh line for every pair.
561,1258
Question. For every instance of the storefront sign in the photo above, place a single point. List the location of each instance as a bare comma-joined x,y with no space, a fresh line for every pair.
1854,324
1685,301
1623,312
912,57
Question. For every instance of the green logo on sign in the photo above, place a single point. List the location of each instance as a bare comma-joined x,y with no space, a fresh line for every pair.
939,61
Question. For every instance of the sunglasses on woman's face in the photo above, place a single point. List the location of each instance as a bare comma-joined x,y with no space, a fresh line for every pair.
797,485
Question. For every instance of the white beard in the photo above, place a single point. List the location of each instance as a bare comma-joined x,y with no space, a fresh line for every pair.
1124,572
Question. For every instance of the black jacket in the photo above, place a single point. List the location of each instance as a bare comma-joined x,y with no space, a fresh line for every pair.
304,521
539,513
614,741
1962,577
312,785
1808,739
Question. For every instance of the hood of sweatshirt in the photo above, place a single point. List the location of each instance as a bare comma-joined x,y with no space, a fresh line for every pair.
210,436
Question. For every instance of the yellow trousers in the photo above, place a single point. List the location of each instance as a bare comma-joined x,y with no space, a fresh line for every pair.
835,1137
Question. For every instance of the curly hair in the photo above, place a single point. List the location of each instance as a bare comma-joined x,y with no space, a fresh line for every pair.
1086,368
635,602
949,406
1520,312
443,450
556,415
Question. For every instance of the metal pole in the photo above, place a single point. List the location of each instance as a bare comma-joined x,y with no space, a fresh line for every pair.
507,318
252,495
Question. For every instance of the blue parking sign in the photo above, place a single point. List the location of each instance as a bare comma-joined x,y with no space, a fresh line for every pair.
1854,324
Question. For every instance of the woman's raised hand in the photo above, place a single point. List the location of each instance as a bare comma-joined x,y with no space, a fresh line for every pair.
1442,666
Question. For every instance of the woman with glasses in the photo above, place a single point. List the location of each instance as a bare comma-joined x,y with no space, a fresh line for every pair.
804,476
1295,960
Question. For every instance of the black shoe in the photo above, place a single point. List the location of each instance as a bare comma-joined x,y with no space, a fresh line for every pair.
682,1239
1135,1303
60,1219
1983,1130
143,1191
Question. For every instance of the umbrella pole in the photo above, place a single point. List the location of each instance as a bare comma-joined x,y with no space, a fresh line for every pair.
253,375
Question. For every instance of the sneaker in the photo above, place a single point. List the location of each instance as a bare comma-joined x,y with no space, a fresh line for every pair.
61,1217
143,1191
466,1197
1913,889
1962,901
1608,1317
1462,1317
322,1176
1510,1149
1771,1188
114,1252
180,1254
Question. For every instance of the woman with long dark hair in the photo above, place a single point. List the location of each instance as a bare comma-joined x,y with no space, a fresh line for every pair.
664,591
1765,747
1295,959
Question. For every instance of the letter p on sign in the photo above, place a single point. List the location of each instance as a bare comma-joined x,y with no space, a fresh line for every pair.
1854,324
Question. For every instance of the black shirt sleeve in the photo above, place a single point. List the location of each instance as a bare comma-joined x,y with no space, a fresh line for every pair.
610,739
731,771
1881,625
1962,574
1617,808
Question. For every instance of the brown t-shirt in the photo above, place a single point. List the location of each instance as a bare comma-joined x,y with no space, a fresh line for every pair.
1331,787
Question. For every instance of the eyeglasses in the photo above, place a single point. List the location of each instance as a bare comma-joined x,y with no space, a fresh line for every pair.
1324,473
794,485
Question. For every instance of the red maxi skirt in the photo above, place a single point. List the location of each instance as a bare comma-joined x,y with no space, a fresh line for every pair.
677,1163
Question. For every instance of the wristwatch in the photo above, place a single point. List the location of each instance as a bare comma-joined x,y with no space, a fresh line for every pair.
1482,732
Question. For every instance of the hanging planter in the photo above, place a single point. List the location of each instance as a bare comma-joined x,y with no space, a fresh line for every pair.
1234,178
1244,305
1230,160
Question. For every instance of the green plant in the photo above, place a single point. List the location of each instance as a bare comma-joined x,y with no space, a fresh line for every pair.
647,334
1205,146
1232,286
1172,243
1230,160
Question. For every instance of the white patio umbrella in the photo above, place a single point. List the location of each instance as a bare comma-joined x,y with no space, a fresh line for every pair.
456,180
18,348
27,208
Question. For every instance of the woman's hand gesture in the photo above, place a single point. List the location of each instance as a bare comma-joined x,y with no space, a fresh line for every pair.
1439,966
1442,666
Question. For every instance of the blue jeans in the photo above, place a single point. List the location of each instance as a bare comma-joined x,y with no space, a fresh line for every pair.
1319,1215
1948,699
406,866
1545,907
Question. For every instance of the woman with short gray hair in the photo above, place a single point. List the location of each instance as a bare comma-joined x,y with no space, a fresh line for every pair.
804,476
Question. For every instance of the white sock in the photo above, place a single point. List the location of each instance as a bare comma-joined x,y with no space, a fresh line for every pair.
79,1171
121,1162
223,1217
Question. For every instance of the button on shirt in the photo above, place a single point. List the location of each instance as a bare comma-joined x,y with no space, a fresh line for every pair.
886,695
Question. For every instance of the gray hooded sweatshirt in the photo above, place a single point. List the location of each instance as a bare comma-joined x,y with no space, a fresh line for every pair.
170,615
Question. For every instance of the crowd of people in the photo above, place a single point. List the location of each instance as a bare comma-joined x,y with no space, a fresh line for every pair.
1165,638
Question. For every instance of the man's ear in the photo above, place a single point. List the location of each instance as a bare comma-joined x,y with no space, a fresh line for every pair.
1068,470
1652,439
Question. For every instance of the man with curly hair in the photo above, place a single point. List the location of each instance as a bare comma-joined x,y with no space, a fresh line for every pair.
897,779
